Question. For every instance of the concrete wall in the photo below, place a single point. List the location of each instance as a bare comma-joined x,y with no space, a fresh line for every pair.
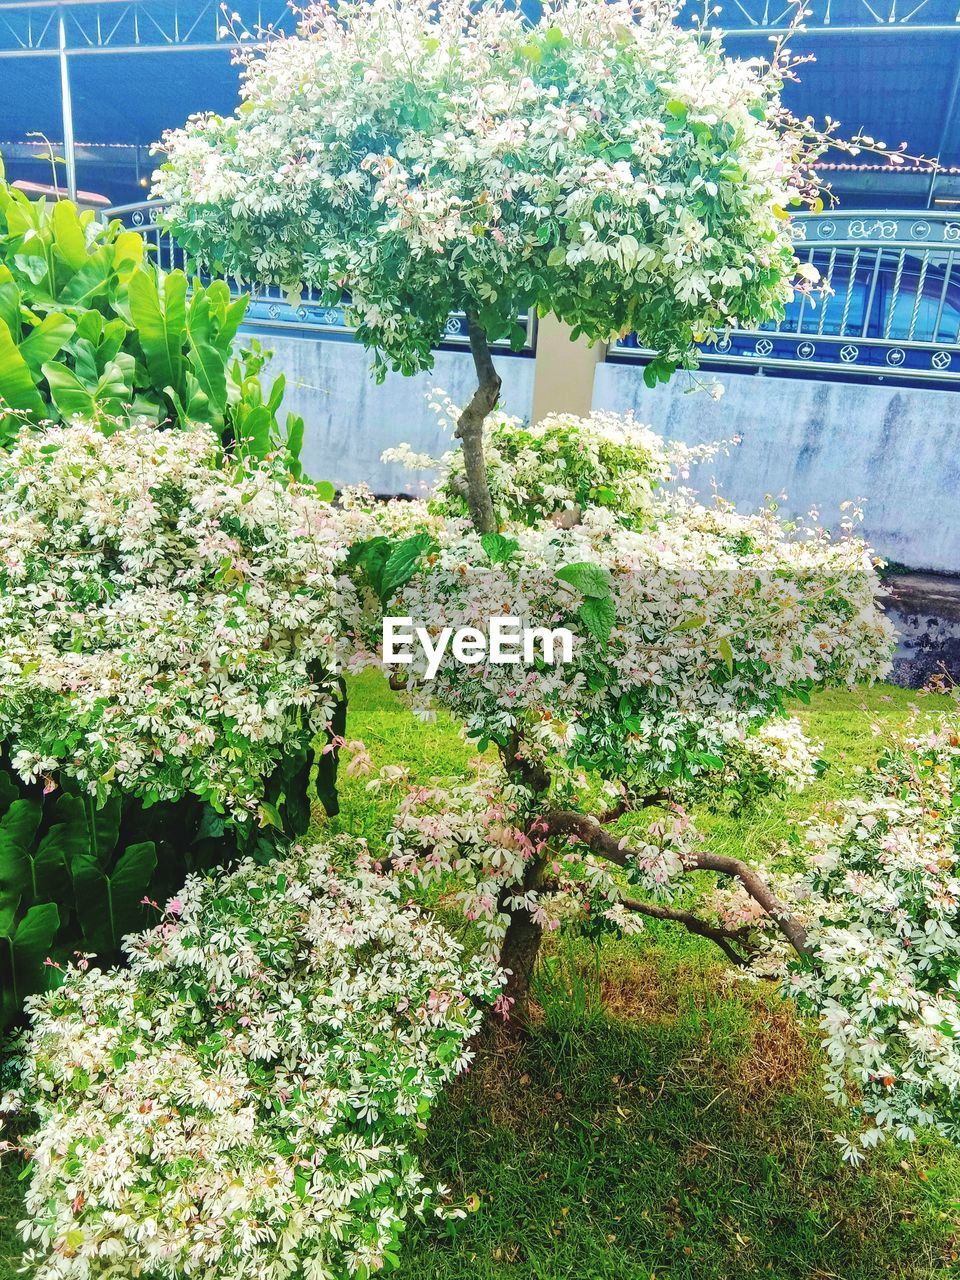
821,443
818,442
351,420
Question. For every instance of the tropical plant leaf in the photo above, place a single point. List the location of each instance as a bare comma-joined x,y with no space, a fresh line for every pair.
46,341
25,948
69,239
18,389
110,906
159,314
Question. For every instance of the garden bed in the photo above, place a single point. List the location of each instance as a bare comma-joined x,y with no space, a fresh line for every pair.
676,1127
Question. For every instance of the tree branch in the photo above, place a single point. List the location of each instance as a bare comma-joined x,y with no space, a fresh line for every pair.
565,822
724,938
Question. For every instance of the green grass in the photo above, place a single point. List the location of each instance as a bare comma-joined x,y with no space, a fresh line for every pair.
660,1122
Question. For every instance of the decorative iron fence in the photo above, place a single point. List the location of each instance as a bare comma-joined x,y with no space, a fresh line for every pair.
892,307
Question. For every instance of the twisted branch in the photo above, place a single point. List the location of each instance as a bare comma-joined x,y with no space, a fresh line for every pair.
565,822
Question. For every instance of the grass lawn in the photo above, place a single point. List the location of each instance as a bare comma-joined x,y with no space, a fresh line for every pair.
661,1122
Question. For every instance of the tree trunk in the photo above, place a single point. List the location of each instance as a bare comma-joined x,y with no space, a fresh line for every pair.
470,428
521,946
521,942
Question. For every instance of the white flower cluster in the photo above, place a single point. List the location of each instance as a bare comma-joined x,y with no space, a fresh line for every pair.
167,624
556,468
602,162
715,618
245,1098
777,754
882,904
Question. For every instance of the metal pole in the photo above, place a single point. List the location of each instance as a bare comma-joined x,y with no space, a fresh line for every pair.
66,106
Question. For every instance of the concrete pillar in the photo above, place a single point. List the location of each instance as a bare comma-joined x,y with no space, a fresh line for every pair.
563,376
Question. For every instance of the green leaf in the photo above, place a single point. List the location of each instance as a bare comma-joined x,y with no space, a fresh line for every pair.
401,563
95,278
68,393
159,314
10,300
691,624
589,579
110,906
15,871
17,384
725,649
47,340
498,548
210,372
68,235
557,256
598,616
21,821
325,490
26,949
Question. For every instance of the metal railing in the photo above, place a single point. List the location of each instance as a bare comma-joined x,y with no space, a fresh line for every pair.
892,309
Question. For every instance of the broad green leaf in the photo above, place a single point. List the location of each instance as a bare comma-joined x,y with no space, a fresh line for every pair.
598,615
325,491
96,278
110,906
21,821
402,562
46,341
498,548
159,313
24,950
68,393
57,854
17,385
210,372
589,579
68,237
10,300
15,869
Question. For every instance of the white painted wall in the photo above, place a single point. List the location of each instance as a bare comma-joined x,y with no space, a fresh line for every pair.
818,442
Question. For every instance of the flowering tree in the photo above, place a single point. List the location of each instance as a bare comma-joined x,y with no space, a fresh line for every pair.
601,164
693,626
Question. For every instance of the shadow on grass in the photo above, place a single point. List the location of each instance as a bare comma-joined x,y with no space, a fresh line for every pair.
680,1135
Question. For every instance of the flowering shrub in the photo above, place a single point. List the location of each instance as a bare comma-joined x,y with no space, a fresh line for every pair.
881,904
425,159
602,164
691,627
556,468
245,1099
165,626
688,634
